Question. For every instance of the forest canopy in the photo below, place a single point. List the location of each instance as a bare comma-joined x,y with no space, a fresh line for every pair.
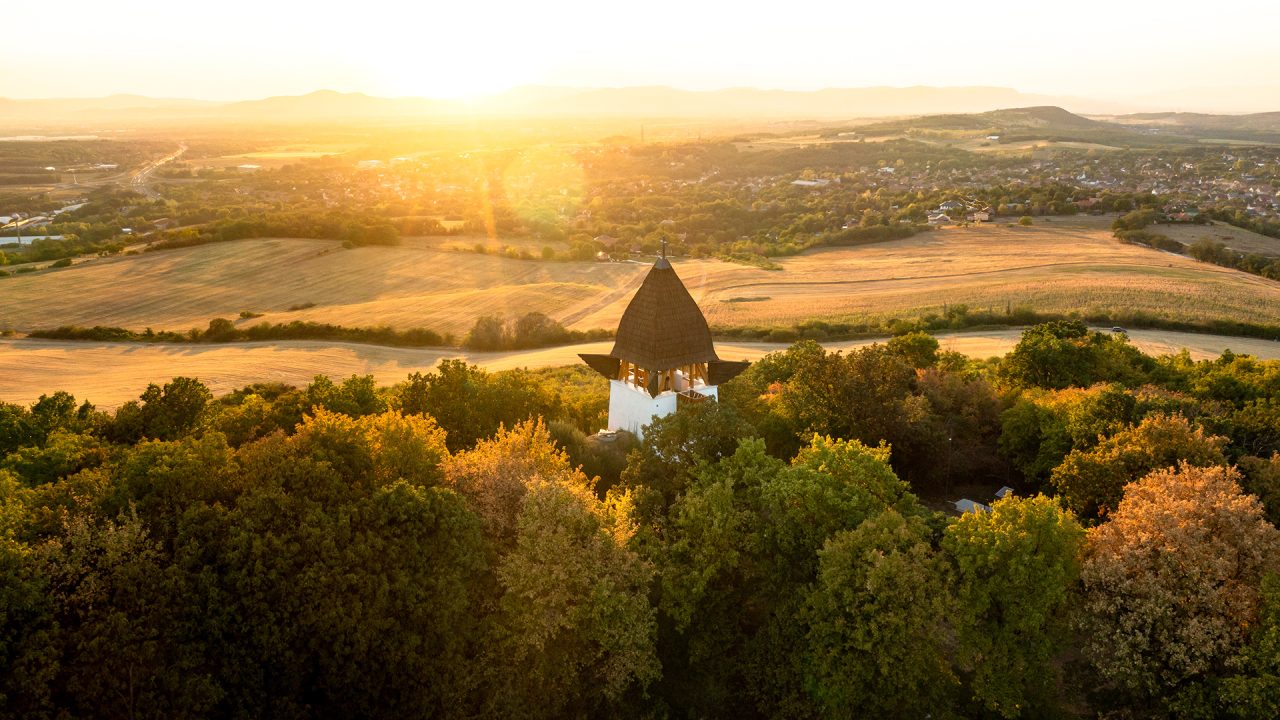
461,544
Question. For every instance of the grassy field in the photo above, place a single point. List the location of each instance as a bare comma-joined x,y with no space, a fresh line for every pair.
121,371
1057,266
1052,267
1237,239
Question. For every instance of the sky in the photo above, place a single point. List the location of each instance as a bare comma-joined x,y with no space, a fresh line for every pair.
1175,54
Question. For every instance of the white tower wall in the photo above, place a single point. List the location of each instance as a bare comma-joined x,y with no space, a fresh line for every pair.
631,408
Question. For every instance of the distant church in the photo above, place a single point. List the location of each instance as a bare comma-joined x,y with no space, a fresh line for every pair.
662,355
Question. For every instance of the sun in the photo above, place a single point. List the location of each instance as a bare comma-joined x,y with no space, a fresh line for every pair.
450,69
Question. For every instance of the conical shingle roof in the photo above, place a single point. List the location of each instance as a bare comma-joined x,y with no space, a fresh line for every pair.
663,328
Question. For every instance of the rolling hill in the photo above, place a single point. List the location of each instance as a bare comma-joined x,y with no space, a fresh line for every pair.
548,101
1045,122
1253,127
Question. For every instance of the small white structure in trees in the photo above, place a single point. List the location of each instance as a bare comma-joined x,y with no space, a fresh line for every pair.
966,505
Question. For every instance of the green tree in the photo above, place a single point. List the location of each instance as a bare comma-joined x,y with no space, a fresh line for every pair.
165,413
1091,482
1262,479
878,614
675,446
470,404
579,626
488,333
737,558
1253,690
1041,427
1015,569
918,349
357,395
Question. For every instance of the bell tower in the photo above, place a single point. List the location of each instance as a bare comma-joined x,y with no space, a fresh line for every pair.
662,355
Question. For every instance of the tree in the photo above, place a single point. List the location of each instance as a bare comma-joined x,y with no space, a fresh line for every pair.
877,618
117,625
61,454
1172,580
357,395
1041,427
737,555
488,333
1092,481
220,330
470,404
675,446
1026,221
536,330
165,413
1135,220
1262,478
1066,353
1253,691
1015,569
495,475
919,349
347,581
575,607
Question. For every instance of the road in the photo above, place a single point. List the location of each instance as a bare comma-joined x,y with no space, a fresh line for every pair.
110,374
139,178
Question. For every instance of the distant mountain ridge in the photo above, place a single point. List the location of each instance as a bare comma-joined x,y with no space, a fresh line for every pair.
645,101
969,106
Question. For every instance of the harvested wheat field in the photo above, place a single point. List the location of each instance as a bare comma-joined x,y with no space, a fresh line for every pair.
110,374
1056,268
1237,239
1051,267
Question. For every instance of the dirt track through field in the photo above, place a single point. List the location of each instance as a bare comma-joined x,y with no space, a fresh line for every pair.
110,374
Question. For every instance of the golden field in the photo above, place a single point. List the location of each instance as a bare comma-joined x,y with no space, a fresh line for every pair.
1056,266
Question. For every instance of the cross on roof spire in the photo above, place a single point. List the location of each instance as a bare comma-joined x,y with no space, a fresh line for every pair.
664,246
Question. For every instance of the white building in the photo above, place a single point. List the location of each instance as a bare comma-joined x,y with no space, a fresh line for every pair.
662,357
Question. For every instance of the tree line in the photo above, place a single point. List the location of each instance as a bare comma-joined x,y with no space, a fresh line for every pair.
458,545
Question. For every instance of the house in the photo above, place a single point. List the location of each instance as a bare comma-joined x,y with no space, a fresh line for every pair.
663,357
810,183
607,241
980,216
1004,492
950,205
940,219
369,164
248,168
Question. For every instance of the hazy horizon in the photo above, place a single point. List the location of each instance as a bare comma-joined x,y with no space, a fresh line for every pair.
1144,58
